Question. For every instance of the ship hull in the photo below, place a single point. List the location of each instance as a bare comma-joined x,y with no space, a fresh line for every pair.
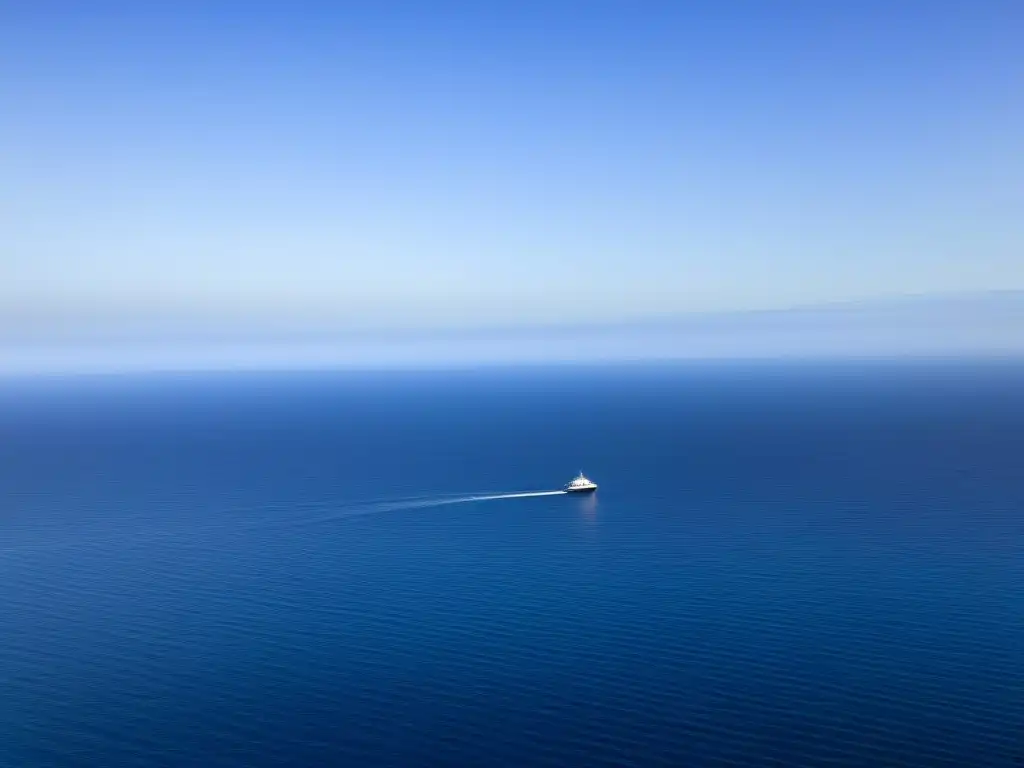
591,489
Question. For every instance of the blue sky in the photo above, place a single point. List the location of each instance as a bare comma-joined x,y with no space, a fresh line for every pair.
366,166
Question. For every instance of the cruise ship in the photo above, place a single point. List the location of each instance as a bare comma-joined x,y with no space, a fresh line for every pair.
581,485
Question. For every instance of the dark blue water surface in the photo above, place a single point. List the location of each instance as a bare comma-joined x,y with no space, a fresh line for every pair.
784,565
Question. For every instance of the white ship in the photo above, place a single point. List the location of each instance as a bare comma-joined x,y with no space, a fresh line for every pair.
580,485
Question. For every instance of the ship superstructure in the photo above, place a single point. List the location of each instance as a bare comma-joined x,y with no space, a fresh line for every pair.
580,484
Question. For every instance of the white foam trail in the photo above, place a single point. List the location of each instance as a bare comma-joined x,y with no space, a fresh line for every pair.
512,496
375,508
415,504
186,532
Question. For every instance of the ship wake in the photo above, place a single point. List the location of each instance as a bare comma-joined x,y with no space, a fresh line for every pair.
528,495
424,503
240,519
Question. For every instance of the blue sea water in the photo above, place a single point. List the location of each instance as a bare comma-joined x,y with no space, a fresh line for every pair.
785,564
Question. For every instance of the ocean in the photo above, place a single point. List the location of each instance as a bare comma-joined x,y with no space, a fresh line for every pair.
788,564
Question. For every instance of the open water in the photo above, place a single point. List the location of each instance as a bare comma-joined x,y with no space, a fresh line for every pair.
785,564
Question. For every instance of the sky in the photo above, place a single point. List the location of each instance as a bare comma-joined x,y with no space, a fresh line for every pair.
258,168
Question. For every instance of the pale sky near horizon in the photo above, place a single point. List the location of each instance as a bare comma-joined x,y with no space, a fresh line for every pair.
367,165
